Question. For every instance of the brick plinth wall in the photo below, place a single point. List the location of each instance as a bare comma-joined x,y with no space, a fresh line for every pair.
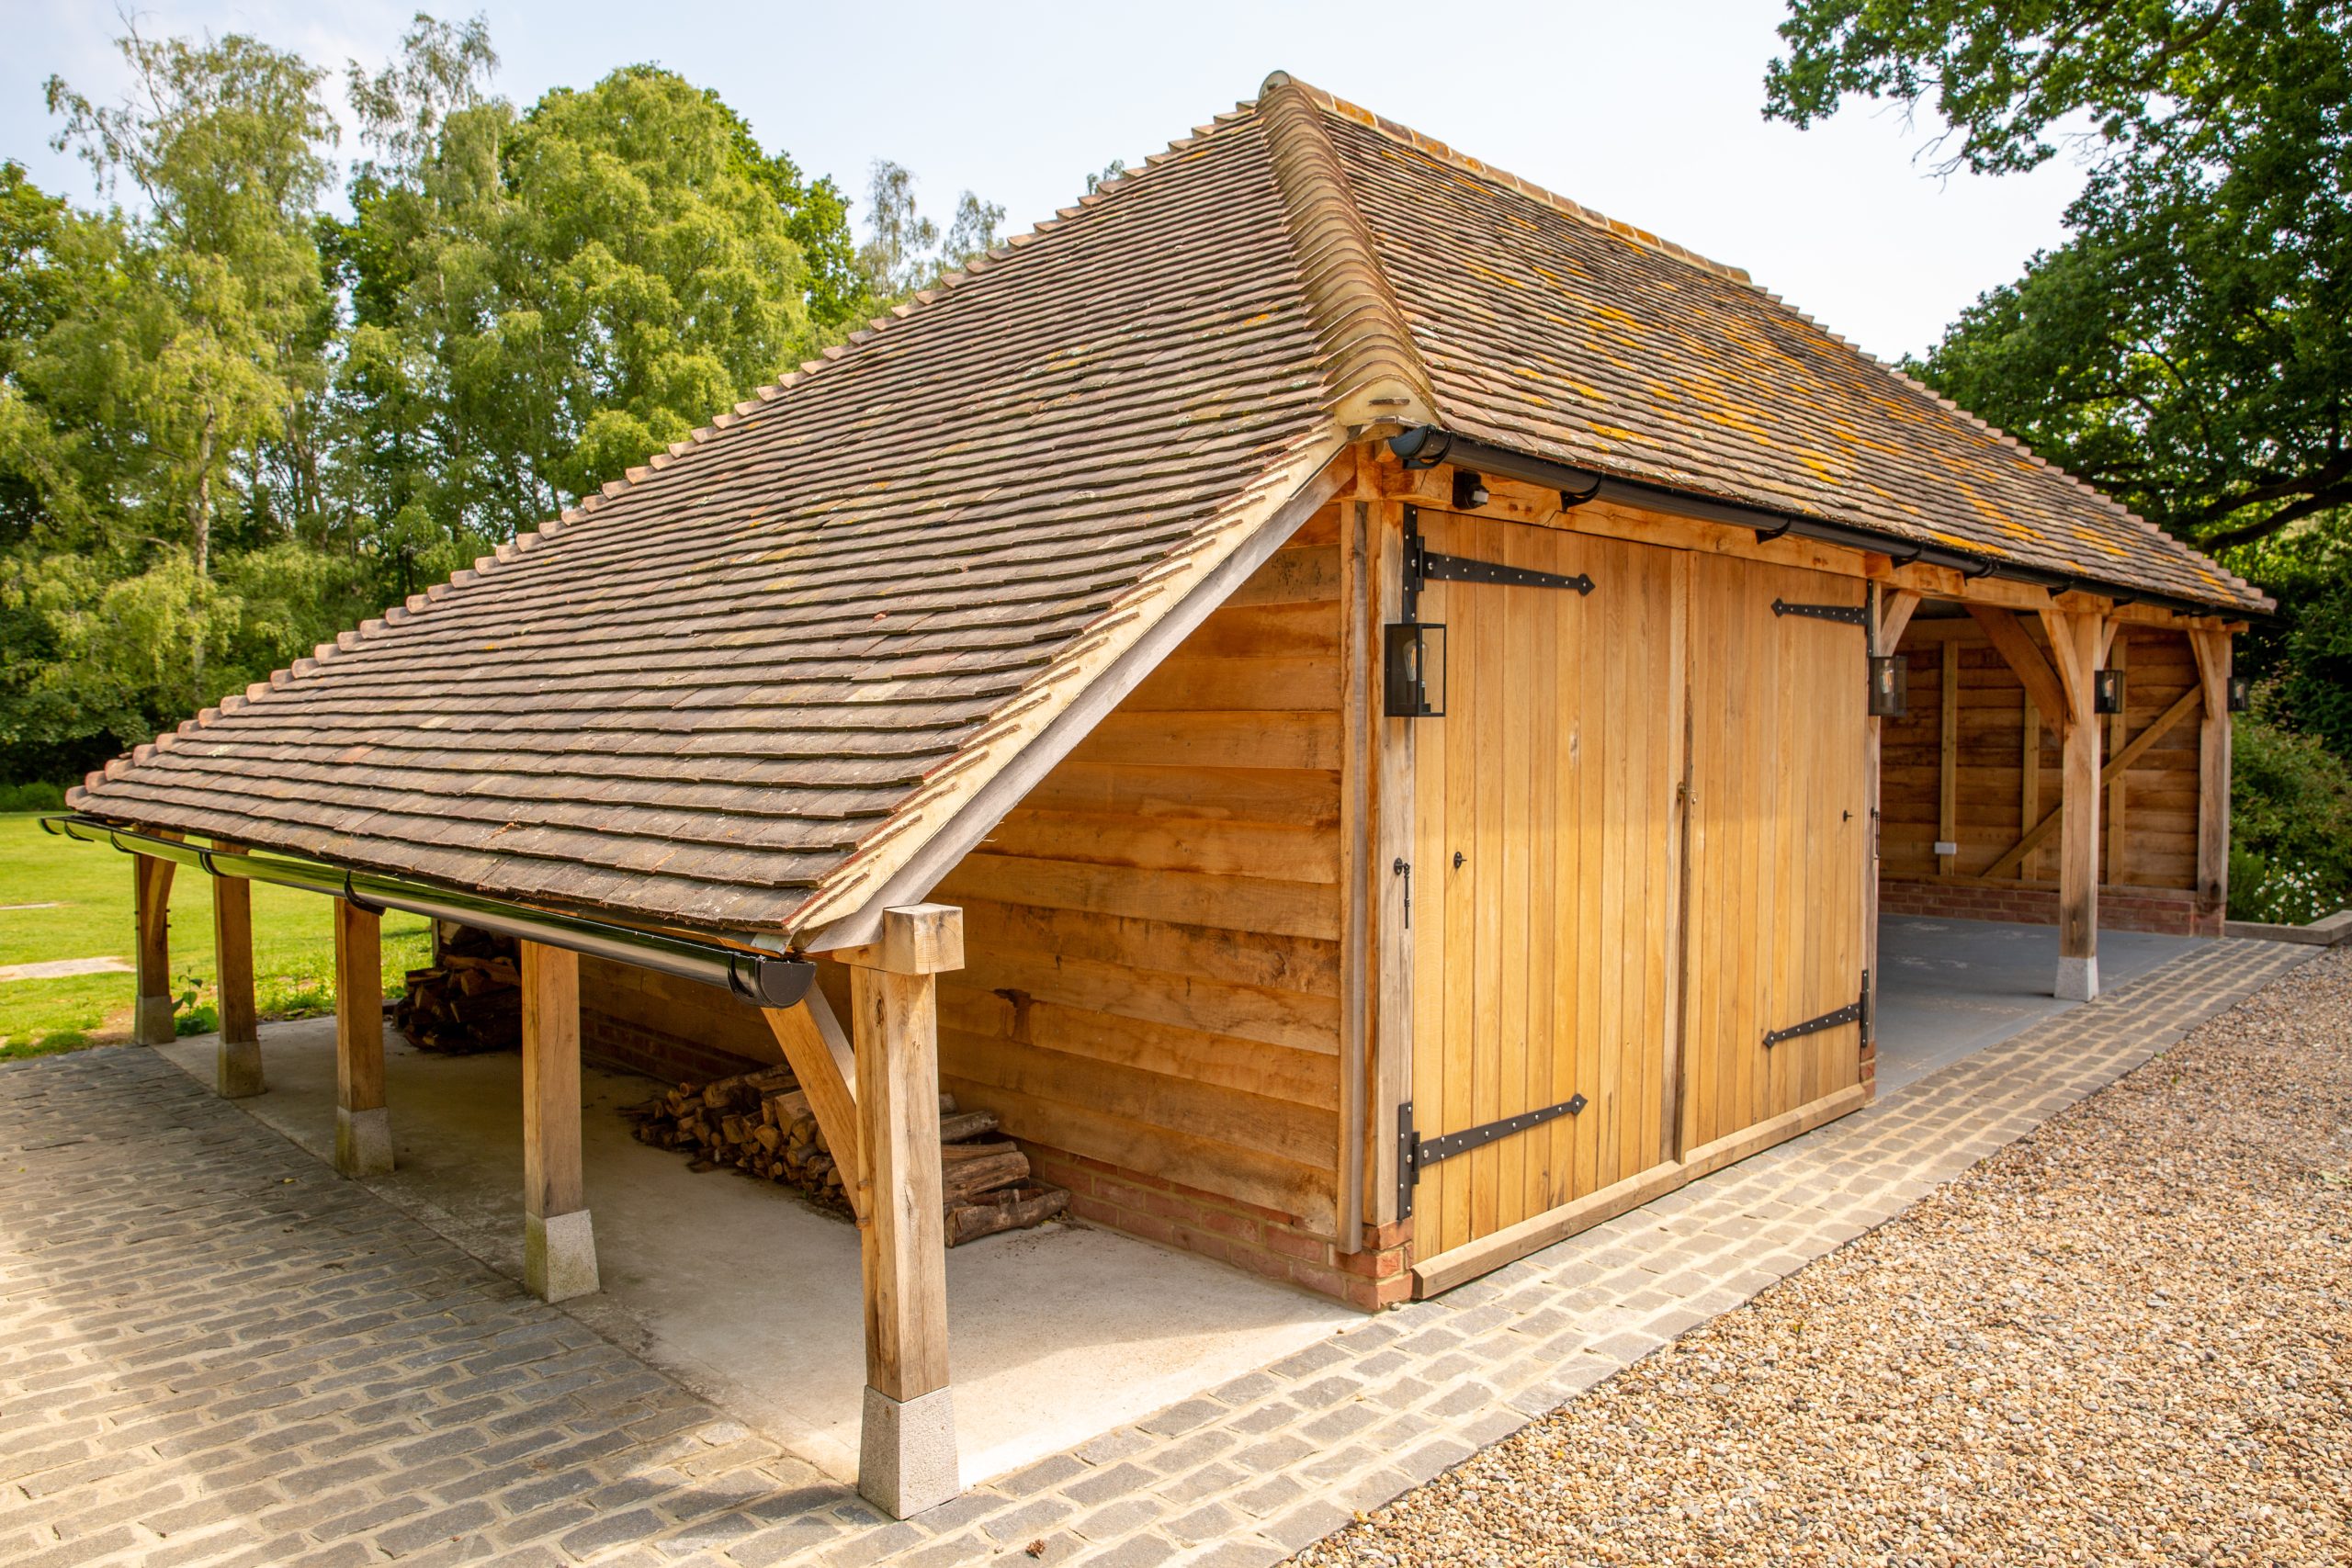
2170,911
633,1047
1264,1241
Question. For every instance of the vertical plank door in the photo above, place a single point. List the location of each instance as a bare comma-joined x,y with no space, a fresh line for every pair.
1544,875
1779,829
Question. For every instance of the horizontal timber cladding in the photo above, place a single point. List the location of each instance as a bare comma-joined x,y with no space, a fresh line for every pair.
1151,977
2002,772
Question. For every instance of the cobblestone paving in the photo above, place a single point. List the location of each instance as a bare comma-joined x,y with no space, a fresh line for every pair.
214,1351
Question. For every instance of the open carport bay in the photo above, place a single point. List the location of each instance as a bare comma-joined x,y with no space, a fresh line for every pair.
749,1294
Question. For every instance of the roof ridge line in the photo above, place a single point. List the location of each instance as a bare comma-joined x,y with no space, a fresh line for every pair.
1433,148
1371,363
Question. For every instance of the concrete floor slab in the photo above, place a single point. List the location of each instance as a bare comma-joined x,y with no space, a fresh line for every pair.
1948,989
749,1294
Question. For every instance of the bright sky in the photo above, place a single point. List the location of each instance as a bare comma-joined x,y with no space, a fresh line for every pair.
1646,111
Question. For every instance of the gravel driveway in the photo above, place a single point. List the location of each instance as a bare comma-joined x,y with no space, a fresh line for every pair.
2126,1338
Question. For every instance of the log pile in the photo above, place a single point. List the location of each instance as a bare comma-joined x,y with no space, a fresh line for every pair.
760,1123
468,999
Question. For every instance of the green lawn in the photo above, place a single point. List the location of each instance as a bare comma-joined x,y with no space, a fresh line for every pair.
90,886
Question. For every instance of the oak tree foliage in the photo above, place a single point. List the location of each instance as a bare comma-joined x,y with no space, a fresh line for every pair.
257,392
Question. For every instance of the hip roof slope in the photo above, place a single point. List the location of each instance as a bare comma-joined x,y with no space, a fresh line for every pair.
745,686
699,696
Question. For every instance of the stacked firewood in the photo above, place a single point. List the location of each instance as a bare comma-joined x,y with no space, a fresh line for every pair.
468,999
760,1123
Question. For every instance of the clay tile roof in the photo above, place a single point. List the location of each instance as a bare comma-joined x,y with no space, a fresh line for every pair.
742,688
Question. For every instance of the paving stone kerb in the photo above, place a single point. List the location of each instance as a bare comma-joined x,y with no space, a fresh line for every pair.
212,1350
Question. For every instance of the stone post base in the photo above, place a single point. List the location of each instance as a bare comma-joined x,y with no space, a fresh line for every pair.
906,1458
237,1074
560,1255
363,1141
2077,979
151,1022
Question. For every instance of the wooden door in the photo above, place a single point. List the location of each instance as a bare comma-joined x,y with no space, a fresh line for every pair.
1779,824
1544,874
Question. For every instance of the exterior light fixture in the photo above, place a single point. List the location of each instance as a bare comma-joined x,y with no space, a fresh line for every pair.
1413,670
1469,492
2240,693
2106,691
1890,686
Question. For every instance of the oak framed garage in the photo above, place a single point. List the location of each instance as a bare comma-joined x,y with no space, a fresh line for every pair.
1013,702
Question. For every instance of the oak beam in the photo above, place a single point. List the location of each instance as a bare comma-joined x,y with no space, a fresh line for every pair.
2013,858
2010,640
237,1069
906,1452
150,884
363,1127
2213,738
559,1240
818,1051
2076,644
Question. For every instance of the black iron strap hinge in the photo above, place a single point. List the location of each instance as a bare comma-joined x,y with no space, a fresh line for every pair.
1423,565
1856,1011
1848,615
1415,1152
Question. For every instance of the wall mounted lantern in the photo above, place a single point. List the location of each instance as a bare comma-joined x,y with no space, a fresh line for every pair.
1890,686
1413,670
2240,693
2106,691
1469,492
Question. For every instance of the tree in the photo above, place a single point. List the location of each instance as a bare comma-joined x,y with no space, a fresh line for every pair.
542,299
2188,348
904,251
217,328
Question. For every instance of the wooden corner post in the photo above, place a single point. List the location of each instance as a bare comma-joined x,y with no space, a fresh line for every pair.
907,1454
2077,646
237,1071
558,1244
363,1127
150,884
2212,650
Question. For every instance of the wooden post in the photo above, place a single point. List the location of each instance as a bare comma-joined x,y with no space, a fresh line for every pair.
1359,686
2075,649
2118,807
2029,780
1892,608
1948,761
1390,973
237,1071
558,1243
363,1127
907,1453
2212,650
151,884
